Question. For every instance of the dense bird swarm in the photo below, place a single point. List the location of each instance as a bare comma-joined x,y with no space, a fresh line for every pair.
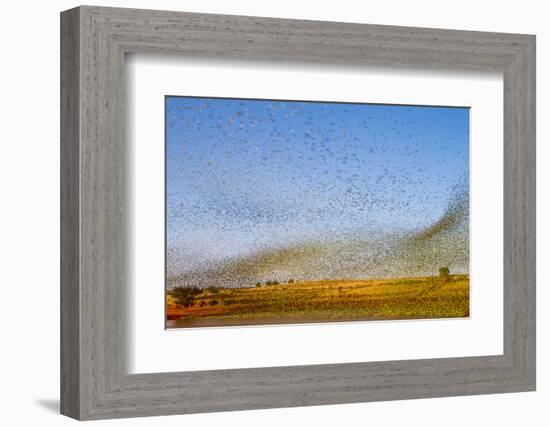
262,191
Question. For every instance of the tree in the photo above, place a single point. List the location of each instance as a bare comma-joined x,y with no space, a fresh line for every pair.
290,280
258,285
444,273
185,296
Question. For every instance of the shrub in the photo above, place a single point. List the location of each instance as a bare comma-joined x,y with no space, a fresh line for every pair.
290,280
258,285
185,296
214,302
444,273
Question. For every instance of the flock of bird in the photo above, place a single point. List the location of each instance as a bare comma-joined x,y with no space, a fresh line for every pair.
246,176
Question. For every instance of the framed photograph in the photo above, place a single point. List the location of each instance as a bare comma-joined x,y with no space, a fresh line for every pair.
261,213
311,211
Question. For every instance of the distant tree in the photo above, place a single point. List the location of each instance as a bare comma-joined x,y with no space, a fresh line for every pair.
444,273
272,282
185,296
212,289
258,285
290,280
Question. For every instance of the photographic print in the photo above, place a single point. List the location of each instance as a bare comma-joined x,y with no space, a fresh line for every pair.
282,211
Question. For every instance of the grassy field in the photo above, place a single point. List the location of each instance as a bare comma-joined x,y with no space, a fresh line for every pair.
324,301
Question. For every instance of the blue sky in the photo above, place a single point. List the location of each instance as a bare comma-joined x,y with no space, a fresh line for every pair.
246,175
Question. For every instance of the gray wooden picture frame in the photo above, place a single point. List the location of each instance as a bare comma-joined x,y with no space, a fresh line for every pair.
94,382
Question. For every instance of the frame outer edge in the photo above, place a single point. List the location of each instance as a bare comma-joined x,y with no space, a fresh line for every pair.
89,39
70,396
532,137
527,166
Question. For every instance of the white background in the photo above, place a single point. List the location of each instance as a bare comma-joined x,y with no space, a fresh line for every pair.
29,218
152,349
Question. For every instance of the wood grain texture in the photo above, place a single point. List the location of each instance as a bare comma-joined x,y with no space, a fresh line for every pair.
94,272
70,297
